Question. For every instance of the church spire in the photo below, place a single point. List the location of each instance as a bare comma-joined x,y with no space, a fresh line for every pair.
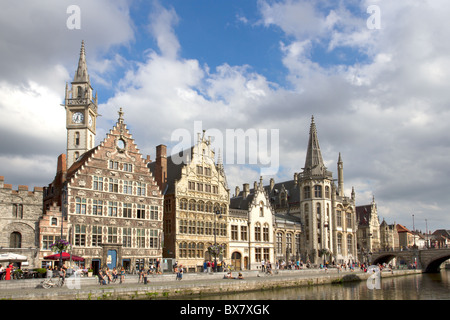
314,162
81,75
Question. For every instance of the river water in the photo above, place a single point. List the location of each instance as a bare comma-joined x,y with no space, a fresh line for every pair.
426,286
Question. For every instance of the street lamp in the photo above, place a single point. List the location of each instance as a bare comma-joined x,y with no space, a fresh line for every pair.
215,238
414,236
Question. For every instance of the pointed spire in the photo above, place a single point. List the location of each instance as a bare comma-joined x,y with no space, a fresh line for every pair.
81,75
314,161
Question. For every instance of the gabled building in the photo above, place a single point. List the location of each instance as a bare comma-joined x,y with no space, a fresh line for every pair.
196,200
103,200
252,228
368,234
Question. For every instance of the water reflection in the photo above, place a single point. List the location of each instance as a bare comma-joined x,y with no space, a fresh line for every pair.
413,287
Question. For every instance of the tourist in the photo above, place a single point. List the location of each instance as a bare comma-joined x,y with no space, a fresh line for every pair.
240,276
114,274
9,271
180,273
122,275
2,271
263,267
205,266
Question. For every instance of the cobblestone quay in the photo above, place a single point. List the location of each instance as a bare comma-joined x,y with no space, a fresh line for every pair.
192,285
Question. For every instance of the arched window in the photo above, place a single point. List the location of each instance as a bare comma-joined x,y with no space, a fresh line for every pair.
266,232
54,222
327,192
257,232
15,240
192,206
279,243
348,218
339,243
183,204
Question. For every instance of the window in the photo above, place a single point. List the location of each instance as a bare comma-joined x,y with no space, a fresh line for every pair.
199,170
258,232
208,228
318,191
54,222
140,238
191,185
327,192
200,250
183,226
339,243
76,156
192,206
244,233
47,241
200,227
258,254
17,211
153,237
183,204
208,188
192,226
126,237
348,216
289,242
209,207
297,243
266,233
306,192
127,210
140,190
128,187
97,207
266,254
77,138
96,236
207,171
349,244
113,165
168,226
234,232
279,244
338,218
200,187
261,209
113,185
80,205
223,229
215,189
98,183
182,249
200,206
112,234
80,235
15,240
140,211
112,209
128,167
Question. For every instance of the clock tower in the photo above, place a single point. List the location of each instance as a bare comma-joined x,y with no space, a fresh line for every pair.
81,112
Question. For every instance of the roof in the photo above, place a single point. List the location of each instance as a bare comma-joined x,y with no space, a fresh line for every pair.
401,228
363,214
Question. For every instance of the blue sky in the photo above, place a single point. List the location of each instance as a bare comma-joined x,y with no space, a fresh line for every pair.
379,96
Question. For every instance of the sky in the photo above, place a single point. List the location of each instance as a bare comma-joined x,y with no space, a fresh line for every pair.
374,74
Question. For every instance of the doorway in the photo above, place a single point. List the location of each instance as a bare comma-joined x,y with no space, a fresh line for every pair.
236,260
96,266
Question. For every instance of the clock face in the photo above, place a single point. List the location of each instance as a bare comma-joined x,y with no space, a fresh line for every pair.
77,117
90,121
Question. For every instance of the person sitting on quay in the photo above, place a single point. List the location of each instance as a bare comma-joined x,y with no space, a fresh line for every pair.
240,276
101,278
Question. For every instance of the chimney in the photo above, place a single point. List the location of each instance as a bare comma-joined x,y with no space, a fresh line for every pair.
62,164
272,184
237,190
246,190
161,166
296,178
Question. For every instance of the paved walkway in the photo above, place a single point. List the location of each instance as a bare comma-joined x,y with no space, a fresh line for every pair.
30,289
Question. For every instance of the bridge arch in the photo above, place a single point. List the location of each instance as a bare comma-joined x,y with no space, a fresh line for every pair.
386,258
432,263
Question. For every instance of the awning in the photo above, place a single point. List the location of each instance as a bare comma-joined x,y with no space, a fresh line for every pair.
65,257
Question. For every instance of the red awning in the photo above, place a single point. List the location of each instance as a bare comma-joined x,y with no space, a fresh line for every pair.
65,256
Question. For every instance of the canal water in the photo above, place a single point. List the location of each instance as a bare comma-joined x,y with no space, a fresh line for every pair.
426,286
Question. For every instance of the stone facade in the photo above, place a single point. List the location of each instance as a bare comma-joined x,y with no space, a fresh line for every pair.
112,204
196,200
369,238
19,212
251,228
326,215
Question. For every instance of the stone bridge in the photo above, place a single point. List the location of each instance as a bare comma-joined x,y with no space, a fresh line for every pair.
429,260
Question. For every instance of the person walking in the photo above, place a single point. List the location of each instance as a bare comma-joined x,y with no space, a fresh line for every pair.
9,271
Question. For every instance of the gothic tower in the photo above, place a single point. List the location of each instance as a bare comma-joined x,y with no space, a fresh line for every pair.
316,204
81,112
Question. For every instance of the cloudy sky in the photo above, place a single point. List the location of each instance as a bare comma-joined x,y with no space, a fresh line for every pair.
374,74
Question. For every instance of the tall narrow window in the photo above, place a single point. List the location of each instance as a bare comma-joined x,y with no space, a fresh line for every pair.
153,238
266,232
77,138
96,236
126,237
112,208
127,210
80,235
80,205
112,234
318,191
258,232
244,233
140,237
97,207
140,211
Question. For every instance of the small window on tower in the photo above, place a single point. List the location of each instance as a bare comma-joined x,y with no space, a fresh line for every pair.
77,138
